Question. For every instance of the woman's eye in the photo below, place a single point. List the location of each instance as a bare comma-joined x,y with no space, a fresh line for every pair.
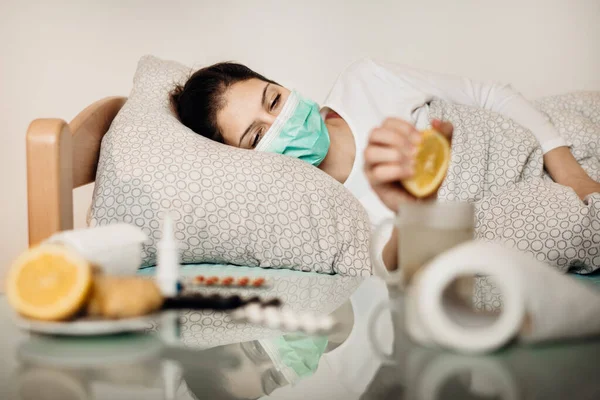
256,139
275,102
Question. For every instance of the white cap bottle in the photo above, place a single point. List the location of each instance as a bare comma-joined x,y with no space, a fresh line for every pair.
167,268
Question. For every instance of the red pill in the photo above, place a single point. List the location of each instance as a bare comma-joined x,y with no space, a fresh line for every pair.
243,281
258,282
212,280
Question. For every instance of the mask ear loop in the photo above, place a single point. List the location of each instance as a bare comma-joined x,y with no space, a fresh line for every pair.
284,115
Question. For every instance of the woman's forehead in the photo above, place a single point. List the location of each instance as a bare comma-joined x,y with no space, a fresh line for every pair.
242,102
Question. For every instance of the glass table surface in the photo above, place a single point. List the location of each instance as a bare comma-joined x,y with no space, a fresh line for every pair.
205,355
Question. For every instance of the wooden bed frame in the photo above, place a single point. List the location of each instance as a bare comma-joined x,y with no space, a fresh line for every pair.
62,156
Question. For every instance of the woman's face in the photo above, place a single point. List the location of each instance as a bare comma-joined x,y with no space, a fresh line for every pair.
250,109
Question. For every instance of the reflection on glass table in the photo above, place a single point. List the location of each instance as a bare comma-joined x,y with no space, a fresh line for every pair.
90,368
544,371
199,352
257,367
174,363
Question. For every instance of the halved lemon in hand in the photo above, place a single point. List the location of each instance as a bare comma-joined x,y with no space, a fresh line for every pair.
431,165
49,282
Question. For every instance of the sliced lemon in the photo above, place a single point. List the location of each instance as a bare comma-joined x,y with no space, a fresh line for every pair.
48,282
431,165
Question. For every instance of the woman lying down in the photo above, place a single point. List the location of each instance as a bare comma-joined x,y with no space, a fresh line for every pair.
530,189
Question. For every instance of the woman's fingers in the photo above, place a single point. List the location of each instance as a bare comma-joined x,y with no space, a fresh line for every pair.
389,158
395,133
402,127
444,127
386,137
389,172
392,194
377,154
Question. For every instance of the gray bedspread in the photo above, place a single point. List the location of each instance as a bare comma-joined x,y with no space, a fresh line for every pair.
497,165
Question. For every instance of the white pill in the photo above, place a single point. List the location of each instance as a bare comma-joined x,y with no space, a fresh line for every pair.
309,323
272,318
289,320
254,313
326,323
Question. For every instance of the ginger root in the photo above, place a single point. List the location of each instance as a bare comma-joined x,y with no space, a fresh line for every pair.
123,297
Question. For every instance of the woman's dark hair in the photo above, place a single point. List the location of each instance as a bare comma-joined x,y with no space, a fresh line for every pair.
197,102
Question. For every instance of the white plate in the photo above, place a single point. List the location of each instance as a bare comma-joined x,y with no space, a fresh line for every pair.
89,351
86,326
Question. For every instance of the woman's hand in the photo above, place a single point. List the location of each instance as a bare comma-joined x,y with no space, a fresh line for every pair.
390,157
565,170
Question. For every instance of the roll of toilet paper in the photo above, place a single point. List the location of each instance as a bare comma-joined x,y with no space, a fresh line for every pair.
116,248
538,302
438,316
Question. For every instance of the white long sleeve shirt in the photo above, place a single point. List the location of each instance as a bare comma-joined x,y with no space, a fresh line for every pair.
367,92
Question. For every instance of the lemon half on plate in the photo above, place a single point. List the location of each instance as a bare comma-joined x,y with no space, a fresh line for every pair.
49,283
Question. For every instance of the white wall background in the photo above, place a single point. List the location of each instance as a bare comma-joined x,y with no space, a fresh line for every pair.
56,57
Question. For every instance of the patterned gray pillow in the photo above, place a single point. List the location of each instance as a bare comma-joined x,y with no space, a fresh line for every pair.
230,205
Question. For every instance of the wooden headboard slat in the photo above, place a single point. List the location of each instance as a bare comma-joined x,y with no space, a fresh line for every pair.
61,157
88,129
49,178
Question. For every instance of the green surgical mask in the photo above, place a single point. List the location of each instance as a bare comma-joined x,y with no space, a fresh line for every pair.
298,131
295,355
